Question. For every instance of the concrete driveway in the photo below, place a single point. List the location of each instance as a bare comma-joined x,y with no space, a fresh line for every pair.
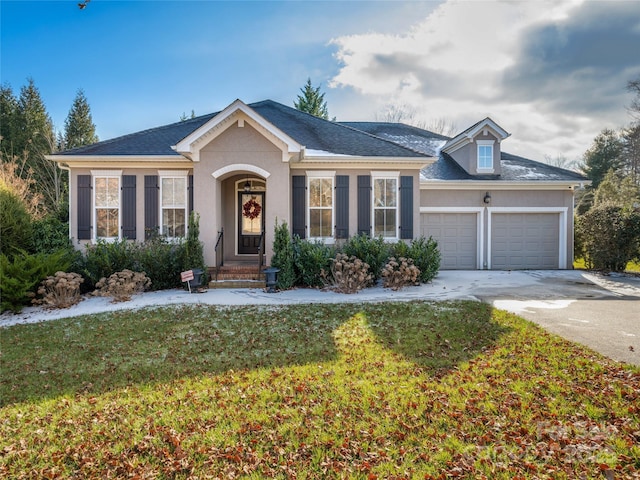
601,312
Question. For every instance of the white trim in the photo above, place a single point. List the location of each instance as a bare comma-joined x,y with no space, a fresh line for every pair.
562,232
384,175
467,136
188,145
497,185
94,220
240,167
176,175
484,143
320,173
173,173
314,176
479,211
106,173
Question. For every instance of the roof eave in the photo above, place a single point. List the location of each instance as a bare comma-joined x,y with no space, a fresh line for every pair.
502,184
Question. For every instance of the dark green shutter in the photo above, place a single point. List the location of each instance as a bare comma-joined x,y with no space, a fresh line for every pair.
298,214
342,206
129,207
364,205
84,207
406,207
151,194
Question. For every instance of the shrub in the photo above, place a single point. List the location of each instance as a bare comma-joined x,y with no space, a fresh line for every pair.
610,236
162,261
310,260
193,248
60,290
20,276
121,285
50,234
105,258
426,257
372,251
15,221
283,257
348,274
399,273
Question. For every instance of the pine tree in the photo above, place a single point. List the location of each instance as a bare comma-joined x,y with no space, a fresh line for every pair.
8,113
312,101
33,139
79,129
605,154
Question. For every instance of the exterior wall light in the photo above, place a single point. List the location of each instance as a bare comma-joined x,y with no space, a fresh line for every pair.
487,198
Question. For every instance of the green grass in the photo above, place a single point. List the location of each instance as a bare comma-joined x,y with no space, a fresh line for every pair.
394,390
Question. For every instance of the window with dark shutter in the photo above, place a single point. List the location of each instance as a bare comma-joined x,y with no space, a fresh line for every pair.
151,189
342,206
406,207
84,207
298,206
364,205
129,207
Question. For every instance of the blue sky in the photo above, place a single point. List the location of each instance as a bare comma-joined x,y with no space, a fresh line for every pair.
552,74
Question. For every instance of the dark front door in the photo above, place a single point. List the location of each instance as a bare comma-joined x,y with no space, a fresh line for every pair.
250,221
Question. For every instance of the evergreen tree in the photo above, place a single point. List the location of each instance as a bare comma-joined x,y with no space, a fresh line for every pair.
8,112
312,101
33,139
605,154
617,190
79,129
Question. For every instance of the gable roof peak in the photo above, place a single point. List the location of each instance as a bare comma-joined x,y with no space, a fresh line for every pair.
467,135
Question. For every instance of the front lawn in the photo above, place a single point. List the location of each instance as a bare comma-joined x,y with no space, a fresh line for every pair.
393,390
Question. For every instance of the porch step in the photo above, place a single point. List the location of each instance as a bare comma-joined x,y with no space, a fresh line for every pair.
237,284
237,272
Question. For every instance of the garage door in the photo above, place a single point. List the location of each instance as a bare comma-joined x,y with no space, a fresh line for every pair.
457,237
524,241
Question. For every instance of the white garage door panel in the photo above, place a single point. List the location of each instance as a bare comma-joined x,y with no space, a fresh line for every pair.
524,241
456,234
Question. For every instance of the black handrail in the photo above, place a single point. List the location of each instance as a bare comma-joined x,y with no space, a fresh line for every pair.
219,257
260,255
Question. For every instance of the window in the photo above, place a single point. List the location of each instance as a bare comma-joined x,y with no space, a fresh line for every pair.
485,155
107,206
173,204
385,204
320,200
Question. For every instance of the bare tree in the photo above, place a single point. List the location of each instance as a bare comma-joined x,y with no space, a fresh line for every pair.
407,114
561,161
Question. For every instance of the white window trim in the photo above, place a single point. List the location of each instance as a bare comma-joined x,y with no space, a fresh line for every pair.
174,174
562,236
315,175
485,143
377,175
479,211
95,174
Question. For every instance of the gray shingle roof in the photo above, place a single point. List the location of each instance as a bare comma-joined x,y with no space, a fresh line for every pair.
367,139
514,168
309,131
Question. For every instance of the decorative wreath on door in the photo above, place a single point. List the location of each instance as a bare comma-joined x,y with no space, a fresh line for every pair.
251,209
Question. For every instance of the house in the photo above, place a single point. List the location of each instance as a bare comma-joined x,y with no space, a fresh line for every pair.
251,165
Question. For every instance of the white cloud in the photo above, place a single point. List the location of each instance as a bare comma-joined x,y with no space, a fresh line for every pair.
552,73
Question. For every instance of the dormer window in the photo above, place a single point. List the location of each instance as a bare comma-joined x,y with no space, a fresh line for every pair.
485,156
